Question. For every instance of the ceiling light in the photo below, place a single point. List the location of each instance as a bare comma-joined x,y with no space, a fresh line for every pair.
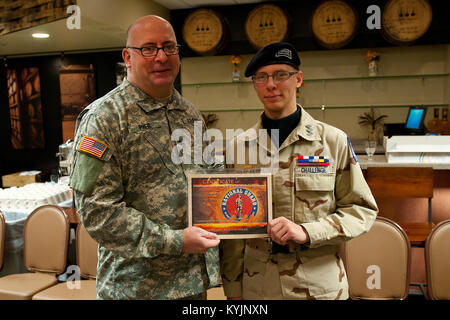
40,35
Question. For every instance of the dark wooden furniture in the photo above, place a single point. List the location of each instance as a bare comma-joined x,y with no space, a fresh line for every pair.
72,214
405,182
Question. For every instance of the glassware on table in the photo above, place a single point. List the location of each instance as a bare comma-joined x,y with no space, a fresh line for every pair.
370,147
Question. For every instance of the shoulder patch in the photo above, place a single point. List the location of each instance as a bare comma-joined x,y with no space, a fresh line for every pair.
93,147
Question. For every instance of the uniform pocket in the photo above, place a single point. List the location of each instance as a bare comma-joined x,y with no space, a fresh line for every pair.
326,276
314,193
283,187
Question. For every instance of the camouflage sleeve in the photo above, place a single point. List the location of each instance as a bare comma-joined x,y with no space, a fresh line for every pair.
232,266
99,194
356,208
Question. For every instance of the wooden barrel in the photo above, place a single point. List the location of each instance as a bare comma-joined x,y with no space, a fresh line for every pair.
405,21
265,24
334,23
205,31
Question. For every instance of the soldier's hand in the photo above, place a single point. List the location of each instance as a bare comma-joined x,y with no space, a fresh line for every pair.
197,240
282,230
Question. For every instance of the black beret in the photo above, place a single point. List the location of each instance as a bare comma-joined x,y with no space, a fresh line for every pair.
274,53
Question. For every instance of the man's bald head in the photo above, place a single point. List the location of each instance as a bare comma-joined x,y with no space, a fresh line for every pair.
139,23
155,75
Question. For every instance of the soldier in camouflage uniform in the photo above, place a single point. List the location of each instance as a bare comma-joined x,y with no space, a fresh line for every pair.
316,206
130,196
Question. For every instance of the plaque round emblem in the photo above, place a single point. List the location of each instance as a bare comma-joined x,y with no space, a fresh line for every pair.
334,24
265,24
238,204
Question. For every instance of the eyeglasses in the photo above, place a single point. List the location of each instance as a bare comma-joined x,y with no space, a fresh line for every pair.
151,51
277,76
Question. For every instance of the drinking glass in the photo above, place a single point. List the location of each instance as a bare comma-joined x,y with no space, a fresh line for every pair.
370,147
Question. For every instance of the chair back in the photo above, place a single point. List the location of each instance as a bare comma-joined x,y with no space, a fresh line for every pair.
437,261
2,238
46,240
378,262
86,253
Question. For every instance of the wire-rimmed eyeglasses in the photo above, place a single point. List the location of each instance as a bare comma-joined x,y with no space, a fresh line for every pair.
277,76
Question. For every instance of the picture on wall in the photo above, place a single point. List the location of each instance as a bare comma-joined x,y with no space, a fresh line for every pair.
25,108
77,87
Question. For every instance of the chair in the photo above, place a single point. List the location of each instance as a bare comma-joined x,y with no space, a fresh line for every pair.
437,261
46,242
2,238
378,262
87,262
389,184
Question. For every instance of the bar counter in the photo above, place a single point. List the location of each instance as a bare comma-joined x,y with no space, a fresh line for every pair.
379,160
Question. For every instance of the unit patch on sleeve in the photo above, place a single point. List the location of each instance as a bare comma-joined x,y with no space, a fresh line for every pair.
355,158
93,147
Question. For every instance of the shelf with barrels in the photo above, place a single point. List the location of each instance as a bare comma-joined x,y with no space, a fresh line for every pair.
13,96
25,108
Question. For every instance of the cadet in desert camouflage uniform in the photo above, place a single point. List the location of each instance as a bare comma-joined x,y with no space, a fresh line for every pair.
130,196
315,207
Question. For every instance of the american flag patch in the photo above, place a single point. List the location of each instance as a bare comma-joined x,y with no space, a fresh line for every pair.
92,146
313,161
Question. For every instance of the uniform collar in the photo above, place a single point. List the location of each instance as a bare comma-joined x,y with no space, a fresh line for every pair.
148,103
306,129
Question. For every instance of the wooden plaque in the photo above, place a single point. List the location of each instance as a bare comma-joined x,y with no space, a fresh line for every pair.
232,205
405,21
334,24
266,24
204,32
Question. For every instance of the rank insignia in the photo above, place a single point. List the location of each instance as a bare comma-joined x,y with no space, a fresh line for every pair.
93,146
313,161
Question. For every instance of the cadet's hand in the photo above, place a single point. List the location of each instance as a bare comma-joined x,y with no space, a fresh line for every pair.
197,240
282,230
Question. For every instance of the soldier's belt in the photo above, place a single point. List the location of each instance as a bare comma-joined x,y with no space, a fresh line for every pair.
277,248
272,247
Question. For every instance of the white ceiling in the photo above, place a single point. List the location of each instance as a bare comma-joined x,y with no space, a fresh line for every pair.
103,26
